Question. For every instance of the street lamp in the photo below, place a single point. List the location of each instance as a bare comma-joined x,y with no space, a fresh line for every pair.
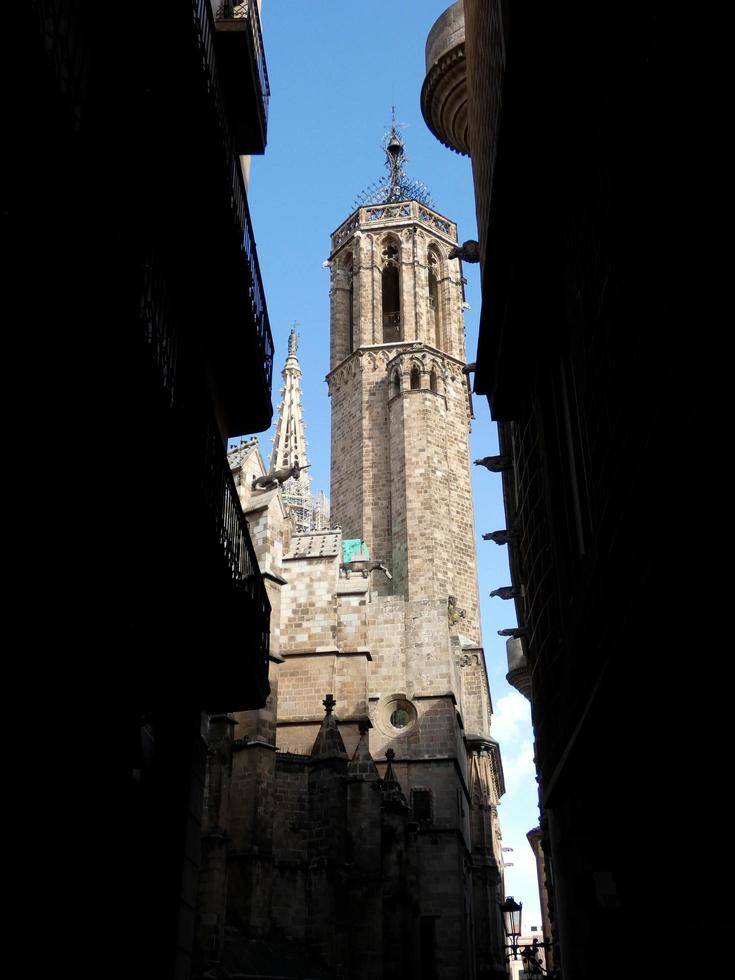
512,912
532,966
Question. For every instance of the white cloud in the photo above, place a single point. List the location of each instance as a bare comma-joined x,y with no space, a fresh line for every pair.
518,767
511,720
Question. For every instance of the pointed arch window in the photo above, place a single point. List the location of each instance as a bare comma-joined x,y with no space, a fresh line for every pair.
432,381
350,304
434,300
395,384
391,292
415,379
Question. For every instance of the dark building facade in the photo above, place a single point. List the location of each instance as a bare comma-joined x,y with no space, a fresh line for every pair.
570,115
146,340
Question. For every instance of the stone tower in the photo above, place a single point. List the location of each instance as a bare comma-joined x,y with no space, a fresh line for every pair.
401,483
369,834
400,402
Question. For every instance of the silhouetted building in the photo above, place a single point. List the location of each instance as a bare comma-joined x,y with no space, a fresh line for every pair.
571,114
149,345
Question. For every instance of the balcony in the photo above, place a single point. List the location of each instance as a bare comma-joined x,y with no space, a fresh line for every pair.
200,579
444,92
245,683
244,76
237,340
241,352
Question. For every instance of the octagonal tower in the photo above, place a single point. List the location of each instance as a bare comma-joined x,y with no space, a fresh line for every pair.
400,401
400,481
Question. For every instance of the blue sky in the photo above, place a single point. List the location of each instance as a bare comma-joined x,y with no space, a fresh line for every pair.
335,70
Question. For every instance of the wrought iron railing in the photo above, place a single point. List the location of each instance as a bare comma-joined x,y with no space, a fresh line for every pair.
229,524
238,197
247,10
163,340
256,292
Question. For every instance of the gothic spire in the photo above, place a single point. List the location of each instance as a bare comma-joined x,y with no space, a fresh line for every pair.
391,788
329,741
362,763
289,443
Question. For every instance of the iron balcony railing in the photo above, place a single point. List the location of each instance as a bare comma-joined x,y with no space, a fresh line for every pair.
228,521
163,340
236,186
257,293
248,11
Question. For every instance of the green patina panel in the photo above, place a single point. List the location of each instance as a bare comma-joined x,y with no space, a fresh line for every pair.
353,549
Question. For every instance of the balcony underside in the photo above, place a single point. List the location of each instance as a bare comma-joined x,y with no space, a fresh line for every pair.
242,85
187,582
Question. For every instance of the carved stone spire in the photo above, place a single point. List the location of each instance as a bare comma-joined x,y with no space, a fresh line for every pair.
390,787
329,741
362,763
289,443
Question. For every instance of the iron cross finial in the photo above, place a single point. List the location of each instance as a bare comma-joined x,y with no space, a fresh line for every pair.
329,703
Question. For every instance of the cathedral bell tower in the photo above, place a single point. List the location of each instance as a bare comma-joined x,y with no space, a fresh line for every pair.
400,402
400,481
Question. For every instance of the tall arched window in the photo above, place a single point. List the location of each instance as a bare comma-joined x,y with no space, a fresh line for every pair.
432,381
415,379
395,384
391,292
351,304
434,303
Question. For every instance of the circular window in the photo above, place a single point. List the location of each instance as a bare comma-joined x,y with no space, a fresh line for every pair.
400,718
396,716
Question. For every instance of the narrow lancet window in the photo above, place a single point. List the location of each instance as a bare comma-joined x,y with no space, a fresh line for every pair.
351,304
415,379
434,304
391,294
432,381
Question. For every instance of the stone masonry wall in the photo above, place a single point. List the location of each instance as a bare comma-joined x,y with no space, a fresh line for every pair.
460,534
308,618
433,533
442,887
475,697
251,841
375,528
304,682
347,465
290,843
